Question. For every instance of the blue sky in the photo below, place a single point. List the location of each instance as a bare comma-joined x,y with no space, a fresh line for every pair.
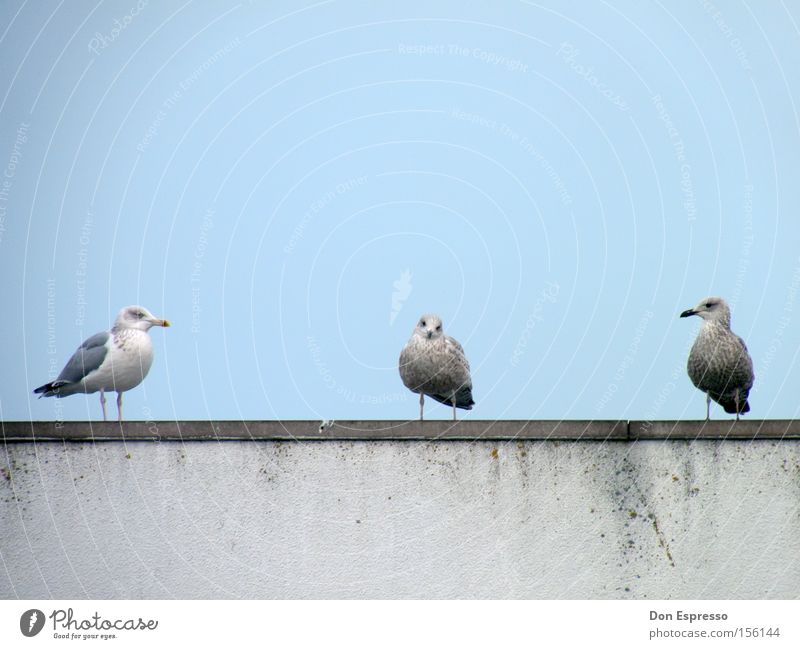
292,185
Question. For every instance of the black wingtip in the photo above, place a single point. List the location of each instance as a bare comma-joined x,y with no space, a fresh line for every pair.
50,389
463,404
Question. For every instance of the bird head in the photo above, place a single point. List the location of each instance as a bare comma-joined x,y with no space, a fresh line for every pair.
429,327
711,309
137,317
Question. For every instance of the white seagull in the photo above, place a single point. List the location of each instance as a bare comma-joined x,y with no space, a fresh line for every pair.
434,364
719,363
116,360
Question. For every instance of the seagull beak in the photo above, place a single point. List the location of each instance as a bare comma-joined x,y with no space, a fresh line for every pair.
688,312
160,323
428,334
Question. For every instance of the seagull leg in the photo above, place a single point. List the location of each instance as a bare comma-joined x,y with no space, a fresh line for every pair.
736,401
103,403
119,406
708,406
454,407
421,403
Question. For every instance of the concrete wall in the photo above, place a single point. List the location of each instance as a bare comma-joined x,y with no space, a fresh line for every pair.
400,519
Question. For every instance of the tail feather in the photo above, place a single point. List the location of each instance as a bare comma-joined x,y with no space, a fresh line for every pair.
730,407
729,404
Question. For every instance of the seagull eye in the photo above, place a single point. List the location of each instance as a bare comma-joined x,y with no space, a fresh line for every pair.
439,328
422,322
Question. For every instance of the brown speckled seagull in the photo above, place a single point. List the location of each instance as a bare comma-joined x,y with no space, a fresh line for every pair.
434,364
719,363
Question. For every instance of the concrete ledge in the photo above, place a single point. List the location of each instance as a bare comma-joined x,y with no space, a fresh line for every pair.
470,430
721,429
374,518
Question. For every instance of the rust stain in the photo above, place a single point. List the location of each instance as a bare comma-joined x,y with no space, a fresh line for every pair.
494,453
662,540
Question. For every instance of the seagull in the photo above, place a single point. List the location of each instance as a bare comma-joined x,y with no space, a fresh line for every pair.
434,364
116,360
719,363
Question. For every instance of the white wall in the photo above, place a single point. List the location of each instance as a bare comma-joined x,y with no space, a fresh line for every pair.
707,519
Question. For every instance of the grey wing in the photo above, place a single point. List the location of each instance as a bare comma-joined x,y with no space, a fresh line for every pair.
458,380
460,365
745,364
744,347
458,352
88,357
455,344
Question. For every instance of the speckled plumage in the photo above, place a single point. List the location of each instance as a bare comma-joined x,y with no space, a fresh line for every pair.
719,363
116,360
435,365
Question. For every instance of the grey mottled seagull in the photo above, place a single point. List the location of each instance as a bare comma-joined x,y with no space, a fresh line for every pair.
435,365
116,360
719,363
